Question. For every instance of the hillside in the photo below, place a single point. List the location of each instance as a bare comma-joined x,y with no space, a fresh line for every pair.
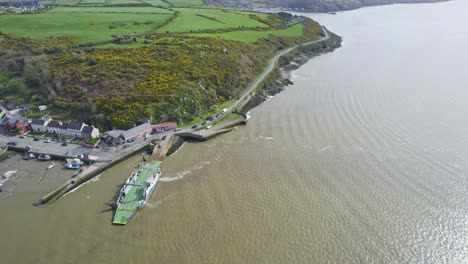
113,66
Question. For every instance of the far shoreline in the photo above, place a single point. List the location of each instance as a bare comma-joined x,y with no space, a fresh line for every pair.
331,8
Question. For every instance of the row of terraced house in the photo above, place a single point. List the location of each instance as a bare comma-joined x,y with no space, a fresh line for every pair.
70,129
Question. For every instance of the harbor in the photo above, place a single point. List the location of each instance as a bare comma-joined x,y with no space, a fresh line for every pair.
103,158
82,163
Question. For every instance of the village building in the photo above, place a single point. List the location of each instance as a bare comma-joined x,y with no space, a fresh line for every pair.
89,132
74,129
161,127
8,105
117,137
54,127
39,125
13,123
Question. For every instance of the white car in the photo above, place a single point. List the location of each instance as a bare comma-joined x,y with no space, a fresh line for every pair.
47,141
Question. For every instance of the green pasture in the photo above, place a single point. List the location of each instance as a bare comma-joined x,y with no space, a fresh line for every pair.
92,3
186,2
152,10
87,27
250,36
156,2
102,2
62,2
189,19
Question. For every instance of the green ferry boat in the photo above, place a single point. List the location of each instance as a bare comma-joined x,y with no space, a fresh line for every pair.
136,191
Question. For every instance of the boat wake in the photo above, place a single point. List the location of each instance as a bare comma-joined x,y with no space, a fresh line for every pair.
7,176
182,174
325,148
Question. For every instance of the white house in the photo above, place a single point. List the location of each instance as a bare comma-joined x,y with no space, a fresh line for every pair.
39,125
74,129
55,127
89,132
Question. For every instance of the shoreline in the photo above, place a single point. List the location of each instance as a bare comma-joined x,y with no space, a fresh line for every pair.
333,7
256,93
280,78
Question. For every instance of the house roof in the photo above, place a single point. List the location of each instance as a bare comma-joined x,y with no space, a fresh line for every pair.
55,123
136,130
75,125
9,104
38,122
114,133
87,130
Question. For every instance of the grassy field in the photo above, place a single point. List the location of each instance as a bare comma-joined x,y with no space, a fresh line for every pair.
156,2
86,26
94,24
250,36
148,10
102,2
202,19
185,2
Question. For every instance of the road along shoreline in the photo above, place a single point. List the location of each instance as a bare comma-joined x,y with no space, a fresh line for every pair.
269,82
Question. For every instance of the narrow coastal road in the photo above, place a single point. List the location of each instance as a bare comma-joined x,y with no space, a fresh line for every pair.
51,148
270,67
261,77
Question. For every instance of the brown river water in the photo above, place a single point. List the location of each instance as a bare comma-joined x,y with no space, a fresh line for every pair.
363,160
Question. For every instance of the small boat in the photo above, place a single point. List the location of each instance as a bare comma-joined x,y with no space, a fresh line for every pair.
43,157
51,166
75,161
72,166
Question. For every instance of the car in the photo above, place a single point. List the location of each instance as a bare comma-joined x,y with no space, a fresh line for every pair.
159,146
204,123
21,136
64,143
12,143
163,138
194,126
177,129
210,118
36,139
218,114
47,140
28,147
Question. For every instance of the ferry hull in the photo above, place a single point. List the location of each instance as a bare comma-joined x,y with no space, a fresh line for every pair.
136,192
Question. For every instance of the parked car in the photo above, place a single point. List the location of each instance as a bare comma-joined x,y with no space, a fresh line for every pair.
210,118
159,146
163,138
12,143
28,147
36,139
64,143
204,123
47,140
21,136
194,126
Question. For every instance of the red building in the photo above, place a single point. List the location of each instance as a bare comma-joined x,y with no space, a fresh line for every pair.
14,123
161,127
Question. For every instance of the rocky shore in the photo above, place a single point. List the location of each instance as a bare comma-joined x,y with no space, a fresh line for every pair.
280,78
